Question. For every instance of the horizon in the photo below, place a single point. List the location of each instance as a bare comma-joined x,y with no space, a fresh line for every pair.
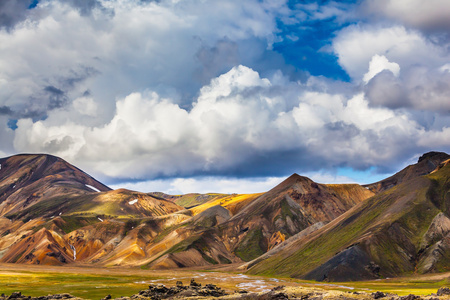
185,95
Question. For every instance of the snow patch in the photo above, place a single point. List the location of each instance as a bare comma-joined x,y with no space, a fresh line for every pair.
133,202
100,219
0,166
92,188
60,213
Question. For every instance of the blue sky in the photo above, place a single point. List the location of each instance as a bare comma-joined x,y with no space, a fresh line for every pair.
226,96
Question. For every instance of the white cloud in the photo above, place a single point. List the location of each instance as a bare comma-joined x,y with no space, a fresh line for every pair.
177,186
85,106
226,185
126,47
379,63
157,89
238,121
436,138
356,45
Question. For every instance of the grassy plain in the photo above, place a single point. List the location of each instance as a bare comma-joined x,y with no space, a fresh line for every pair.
95,283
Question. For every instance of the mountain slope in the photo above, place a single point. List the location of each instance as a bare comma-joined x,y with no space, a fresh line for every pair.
111,204
426,164
28,179
400,231
287,209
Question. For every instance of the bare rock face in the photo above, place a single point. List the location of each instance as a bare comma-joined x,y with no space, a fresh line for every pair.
435,243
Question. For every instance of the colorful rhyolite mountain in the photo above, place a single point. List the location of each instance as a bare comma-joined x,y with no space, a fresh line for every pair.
53,213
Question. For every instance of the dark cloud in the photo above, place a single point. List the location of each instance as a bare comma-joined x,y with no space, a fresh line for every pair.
418,88
386,90
13,12
5,110
85,7
78,75
56,97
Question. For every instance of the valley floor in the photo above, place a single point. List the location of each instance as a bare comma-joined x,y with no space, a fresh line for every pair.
96,283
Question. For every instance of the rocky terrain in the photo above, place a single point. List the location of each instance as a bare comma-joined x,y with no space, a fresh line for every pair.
210,291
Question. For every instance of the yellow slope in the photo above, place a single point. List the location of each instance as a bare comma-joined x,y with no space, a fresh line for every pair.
233,203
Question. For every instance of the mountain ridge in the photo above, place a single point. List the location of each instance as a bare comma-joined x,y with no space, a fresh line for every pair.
54,213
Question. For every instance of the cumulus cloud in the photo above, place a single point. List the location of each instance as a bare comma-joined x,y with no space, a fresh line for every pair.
356,45
419,88
379,63
240,124
114,48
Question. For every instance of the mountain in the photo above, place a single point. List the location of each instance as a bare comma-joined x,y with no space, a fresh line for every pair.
293,205
53,213
426,164
51,210
28,179
402,230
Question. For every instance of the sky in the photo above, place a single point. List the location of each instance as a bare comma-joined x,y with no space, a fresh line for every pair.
225,96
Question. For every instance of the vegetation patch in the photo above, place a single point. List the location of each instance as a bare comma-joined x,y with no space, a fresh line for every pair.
250,248
72,223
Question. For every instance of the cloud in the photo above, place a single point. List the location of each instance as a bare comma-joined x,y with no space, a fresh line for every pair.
240,124
378,64
356,45
140,90
429,15
226,185
13,12
114,48
418,88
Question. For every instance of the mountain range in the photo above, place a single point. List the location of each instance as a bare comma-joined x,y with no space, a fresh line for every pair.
53,213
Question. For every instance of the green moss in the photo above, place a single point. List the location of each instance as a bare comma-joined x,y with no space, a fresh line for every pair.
191,200
72,223
183,245
209,259
224,260
251,247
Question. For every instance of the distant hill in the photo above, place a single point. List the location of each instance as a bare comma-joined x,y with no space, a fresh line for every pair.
189,200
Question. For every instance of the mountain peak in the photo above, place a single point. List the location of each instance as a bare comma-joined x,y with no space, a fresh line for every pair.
433,155
291,180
